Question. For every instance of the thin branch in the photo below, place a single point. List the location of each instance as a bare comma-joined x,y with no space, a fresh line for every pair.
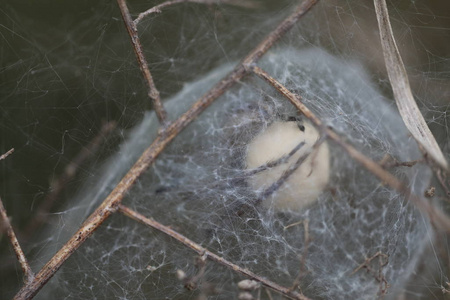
109,205
157,9
366,263
271,164
69,172
16,246
398,77
204,252
5,155
307,241
245,174
388,162
444,182
286,174
440,220
153,92
383,260
192,283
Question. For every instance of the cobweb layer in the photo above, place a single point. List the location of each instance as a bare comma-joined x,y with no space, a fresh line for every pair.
198,187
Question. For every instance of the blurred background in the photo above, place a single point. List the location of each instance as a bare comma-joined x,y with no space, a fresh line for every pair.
70,86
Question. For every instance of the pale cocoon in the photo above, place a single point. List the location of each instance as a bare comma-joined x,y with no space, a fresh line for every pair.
307,182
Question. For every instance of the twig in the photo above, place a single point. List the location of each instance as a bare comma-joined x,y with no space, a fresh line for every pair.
302,270
292,225
388,162
442,178
445,290
193,282
153,92
157,9
436,216
272,164
109,205
69,172
366,263
286,174
378,275
5,155
268,293
398,77
204,252
245,174
408,164
16,246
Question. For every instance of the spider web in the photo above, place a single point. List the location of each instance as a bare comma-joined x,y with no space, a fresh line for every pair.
196,185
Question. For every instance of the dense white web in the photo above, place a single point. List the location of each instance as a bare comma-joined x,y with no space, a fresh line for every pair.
198,186
358,240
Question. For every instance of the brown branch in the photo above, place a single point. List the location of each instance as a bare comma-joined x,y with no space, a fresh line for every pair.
16,246
388,162
275,35
153,92
366,263
383,260
5,155
69,172
437,217
109,205
205,252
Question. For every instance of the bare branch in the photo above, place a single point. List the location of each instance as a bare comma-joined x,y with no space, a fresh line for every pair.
153,92
436,216
109,205
204,252
5,155
383,260
307,240
271,164
157,9
398,77
15,244
285,176
388,162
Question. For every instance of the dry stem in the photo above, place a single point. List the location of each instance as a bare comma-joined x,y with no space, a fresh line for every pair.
437,217
5,155
206,253
272,164
157,8
302,271
286,174
153,92
109,205
15,243
445,183
378,275
398,77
